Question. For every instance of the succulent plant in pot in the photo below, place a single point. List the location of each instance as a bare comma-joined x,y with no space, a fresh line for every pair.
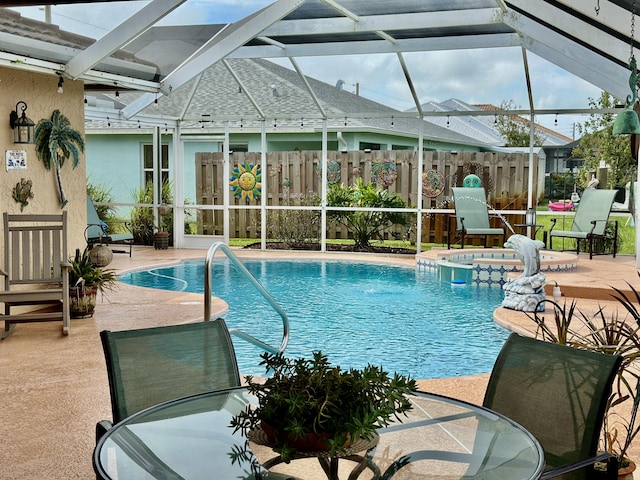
309,404
85,280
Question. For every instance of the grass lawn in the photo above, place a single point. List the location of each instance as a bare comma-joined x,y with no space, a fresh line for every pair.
626,235
626,232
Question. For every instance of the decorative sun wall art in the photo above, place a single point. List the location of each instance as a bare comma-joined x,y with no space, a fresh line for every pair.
246,181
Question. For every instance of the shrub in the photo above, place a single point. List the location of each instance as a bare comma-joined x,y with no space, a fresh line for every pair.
295,228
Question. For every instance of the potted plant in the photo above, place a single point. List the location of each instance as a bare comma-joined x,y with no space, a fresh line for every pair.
309,404
613,335
161,239
85,280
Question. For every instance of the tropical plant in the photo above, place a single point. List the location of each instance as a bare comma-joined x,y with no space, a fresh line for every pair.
610,334
101,196
310,396
55,142
86,274
363,226
598,144
142,218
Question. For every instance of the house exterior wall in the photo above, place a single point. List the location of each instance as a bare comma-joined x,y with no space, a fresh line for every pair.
40,94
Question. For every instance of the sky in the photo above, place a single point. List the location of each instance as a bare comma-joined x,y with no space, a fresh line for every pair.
487,76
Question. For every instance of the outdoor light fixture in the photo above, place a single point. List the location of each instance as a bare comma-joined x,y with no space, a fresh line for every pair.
627,122
22,126
60,84
530,217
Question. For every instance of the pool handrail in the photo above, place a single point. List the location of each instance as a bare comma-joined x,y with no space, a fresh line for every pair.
267,296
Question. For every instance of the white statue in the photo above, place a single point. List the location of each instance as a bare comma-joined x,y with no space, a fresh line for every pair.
525,292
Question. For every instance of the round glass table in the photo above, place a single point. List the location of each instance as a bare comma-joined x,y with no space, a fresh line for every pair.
440,438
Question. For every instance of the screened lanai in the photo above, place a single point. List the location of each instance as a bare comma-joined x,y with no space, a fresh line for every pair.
150,73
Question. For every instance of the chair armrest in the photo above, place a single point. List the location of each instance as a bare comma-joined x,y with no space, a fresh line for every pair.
101,428
553,223
612,466
595,222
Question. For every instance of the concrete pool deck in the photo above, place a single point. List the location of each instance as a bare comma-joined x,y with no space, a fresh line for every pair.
54,388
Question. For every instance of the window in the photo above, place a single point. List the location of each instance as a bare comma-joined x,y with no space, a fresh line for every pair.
369,146
236,147
148,163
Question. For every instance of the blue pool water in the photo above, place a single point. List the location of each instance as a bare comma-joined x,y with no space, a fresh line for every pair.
356,313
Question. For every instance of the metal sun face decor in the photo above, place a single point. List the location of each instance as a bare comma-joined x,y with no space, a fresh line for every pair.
246,181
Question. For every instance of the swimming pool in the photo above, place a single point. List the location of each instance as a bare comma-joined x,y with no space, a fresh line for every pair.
356,313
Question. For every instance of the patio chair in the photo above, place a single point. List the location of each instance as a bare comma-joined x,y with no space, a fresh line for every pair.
472,215
590,221
153,365
35,270
559,394
97,231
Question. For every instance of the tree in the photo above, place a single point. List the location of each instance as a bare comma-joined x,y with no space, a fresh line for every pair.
598,144
364,226
516,130
55,142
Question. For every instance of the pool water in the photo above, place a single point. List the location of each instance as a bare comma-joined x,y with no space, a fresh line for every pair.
356,313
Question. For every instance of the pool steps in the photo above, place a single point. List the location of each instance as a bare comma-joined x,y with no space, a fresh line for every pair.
487,267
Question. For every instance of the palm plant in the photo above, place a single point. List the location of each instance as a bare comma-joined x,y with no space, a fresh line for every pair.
56,141
363,226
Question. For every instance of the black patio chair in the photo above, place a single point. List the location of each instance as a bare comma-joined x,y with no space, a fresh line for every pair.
153,365
559,394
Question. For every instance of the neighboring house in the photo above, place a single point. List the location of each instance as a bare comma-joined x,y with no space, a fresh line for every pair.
120,154
483,127
560,158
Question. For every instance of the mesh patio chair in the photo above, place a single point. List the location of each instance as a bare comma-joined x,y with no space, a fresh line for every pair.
153,365
559,394
97,231
472,215
590,220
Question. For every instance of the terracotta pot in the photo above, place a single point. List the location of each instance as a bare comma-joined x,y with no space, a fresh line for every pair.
626,473
82,301
161,240
309,442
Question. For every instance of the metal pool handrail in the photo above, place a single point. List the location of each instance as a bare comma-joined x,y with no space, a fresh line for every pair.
267,296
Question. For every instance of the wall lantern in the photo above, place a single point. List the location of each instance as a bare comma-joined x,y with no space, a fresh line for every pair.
22,126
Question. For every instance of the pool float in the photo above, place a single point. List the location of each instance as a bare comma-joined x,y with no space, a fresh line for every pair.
563,206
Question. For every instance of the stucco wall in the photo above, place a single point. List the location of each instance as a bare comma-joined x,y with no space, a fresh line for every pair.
39,92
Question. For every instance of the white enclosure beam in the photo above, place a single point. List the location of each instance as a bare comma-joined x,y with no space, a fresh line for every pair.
120,36
219,47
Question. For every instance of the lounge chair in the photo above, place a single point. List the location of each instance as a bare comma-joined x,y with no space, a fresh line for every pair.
35,270
559,394
590,221
153,365
97,231
472,215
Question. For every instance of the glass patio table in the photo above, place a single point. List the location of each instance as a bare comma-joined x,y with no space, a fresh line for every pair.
440,438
